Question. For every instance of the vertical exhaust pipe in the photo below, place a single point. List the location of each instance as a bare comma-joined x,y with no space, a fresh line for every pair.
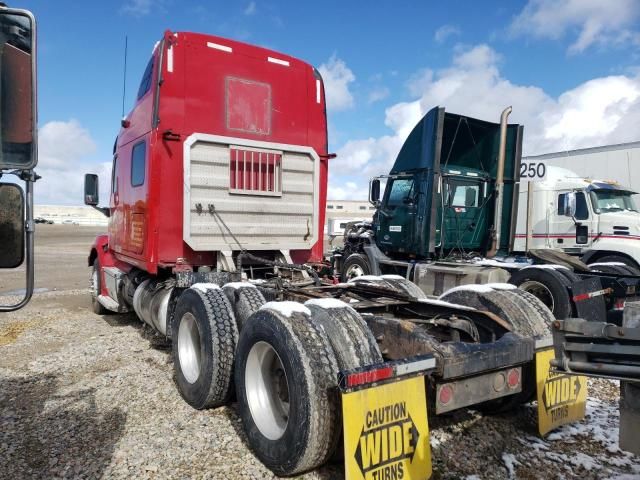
502,152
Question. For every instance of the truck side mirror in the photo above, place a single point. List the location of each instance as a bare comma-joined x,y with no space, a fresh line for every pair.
374,190
12,231
570,206
91,194
18,131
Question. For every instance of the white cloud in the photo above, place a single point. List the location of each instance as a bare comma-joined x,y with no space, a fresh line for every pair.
601,111
377,94
63,148
446,31
591,22
251,8
337,77
137,8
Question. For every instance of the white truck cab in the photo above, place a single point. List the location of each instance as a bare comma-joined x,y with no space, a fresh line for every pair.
595,219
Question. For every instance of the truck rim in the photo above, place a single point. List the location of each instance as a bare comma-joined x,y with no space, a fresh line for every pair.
267,390
354,271
540,291
189,353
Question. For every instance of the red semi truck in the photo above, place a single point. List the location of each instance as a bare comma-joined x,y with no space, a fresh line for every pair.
217,205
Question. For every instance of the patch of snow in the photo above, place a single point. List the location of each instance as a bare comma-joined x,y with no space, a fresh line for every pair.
600,264
510,462
444,303
354,300
366,278
547,267
472,477
203,287
392,277
600,425
237,285
497,263
326,303
585,461
469,288
286,308
257,281
501,286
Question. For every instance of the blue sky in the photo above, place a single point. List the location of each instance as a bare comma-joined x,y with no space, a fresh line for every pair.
569,67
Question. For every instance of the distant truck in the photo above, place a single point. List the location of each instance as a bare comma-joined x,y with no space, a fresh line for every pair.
596,220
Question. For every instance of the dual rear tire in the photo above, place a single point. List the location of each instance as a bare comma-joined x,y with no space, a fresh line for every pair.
286,379
282,362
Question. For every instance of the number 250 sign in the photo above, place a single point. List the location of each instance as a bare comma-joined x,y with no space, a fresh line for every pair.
532,171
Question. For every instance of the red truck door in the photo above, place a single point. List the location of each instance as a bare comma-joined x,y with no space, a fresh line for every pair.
131,199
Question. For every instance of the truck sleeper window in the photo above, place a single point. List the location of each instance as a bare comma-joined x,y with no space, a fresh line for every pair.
138,155
145,83
463,194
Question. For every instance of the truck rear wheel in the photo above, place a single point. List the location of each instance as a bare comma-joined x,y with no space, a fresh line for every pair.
356,265
245,298
549,286
353,343
405,285
617,259
204,338
615,269
96,288
286,384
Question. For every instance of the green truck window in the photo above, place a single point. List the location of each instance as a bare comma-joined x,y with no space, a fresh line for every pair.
401,189
462,193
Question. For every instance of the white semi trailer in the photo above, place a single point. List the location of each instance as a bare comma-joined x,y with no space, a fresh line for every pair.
620,162
595,219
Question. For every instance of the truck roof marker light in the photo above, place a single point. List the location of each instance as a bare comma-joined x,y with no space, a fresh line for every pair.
317,91
278,61
170,59
217,46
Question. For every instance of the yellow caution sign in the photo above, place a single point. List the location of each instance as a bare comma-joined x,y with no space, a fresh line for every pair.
562,397
386,432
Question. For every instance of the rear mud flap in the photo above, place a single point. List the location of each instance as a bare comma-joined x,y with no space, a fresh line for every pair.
588,297
562,397
386,430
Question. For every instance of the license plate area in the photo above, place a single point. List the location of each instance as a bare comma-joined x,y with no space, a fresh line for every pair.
473,390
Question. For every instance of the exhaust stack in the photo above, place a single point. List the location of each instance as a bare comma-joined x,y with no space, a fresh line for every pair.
497,218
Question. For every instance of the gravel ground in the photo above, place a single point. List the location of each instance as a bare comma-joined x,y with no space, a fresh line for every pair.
88,396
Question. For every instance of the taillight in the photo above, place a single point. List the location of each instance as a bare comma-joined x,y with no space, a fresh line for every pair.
513,378
446,394
619,305
499,382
